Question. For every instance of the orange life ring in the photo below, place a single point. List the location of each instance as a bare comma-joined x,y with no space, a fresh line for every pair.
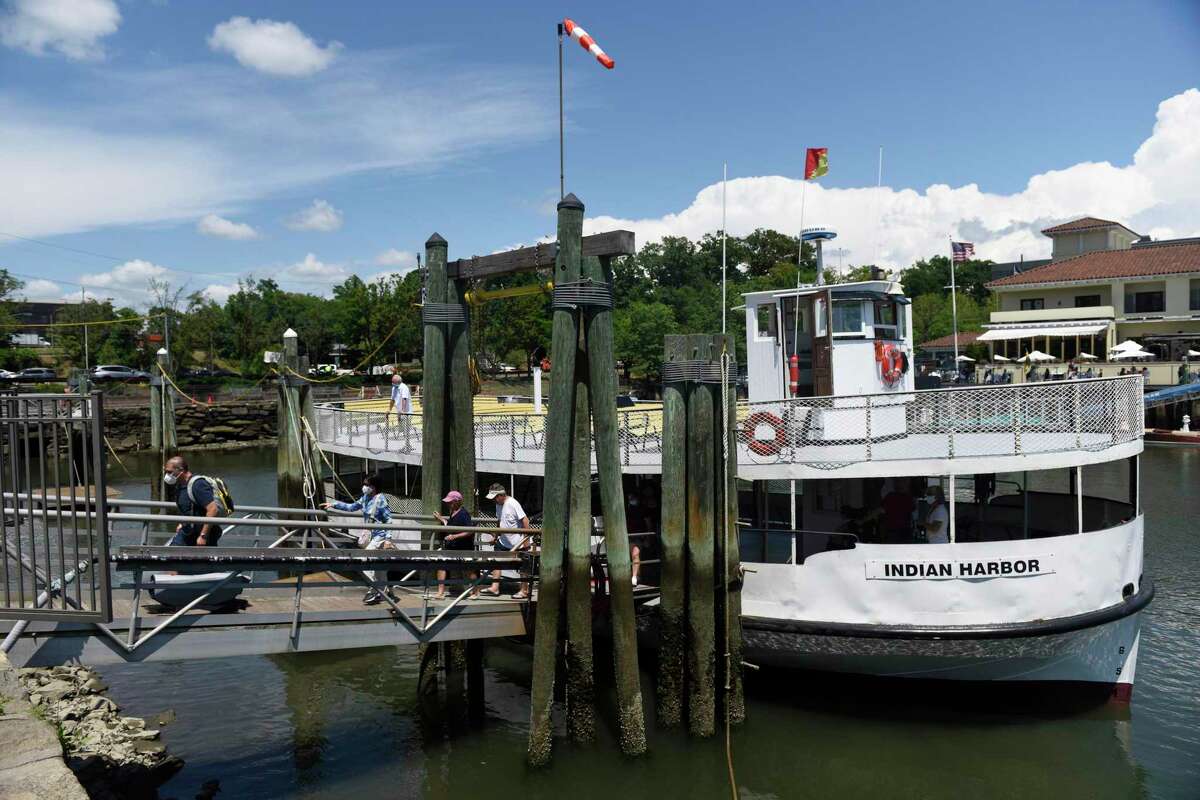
764,447
891,363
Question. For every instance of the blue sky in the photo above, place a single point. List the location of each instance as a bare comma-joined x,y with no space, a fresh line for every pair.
339,140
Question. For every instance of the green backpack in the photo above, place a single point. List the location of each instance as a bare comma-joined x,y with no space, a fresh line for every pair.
220,492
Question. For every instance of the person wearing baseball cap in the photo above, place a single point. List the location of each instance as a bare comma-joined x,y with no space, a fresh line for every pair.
511,517
462,540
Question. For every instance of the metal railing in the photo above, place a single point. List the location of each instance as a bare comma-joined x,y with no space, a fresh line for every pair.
52,457
824,432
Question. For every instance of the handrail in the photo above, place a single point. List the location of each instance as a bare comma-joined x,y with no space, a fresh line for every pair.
270,523
121,501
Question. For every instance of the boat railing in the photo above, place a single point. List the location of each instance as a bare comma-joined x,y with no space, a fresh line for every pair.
974,421
823,432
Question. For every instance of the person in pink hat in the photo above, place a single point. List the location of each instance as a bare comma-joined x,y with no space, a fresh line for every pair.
462,540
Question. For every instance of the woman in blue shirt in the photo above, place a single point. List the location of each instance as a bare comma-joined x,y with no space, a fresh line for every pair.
459,540
374,508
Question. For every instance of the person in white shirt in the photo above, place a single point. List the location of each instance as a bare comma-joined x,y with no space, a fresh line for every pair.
511,517
401,403
937,521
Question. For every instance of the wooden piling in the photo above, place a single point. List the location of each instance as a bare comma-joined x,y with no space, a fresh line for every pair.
701,518
602,369
433,384
672,612
162,422
460,452
580,676
559,430
291,458
731,592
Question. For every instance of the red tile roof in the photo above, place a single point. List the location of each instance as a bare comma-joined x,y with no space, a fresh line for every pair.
964,338
1082,224
1167,258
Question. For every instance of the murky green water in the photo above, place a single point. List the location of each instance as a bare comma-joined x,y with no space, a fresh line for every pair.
355,724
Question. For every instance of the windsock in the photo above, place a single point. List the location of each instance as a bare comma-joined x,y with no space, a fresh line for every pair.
587,42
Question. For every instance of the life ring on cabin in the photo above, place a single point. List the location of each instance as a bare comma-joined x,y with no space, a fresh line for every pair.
891,363
764,447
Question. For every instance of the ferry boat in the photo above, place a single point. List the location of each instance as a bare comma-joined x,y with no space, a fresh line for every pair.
1030,572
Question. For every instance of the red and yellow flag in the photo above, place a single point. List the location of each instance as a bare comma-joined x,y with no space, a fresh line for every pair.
816,163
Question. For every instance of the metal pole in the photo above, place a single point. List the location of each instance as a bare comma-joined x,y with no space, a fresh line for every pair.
562,192
953,531
954,306
724,182
82,301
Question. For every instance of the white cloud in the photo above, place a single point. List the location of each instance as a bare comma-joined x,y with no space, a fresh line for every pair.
392,257
312,269
1156,192
38,289
320,216
71,27
219,292
127,283
172,143
276,48
212,225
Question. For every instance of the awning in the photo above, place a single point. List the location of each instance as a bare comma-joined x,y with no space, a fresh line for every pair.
999,332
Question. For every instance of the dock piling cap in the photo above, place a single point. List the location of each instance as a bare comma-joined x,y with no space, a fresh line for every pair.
290,334
162,351
435,241
570,201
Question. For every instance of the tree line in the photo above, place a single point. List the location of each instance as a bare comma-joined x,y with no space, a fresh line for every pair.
670,286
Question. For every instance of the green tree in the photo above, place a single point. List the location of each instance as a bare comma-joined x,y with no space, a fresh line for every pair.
638,332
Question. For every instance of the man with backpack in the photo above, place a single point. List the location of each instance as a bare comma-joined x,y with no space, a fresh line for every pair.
196,496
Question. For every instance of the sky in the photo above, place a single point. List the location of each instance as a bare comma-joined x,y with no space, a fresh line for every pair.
200,143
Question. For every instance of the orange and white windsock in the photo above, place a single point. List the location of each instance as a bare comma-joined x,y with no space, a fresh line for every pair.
587,42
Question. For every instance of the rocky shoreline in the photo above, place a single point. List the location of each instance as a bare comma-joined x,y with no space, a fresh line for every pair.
113,756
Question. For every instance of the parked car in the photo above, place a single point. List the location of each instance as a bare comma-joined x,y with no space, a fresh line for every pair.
35,375
106,373
5,375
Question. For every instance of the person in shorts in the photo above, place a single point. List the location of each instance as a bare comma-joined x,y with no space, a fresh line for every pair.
511,517
460,540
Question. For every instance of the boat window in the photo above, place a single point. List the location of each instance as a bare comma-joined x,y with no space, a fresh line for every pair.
847,316
887,319
766,321
819,327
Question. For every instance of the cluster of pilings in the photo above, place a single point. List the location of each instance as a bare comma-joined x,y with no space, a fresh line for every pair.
700,608
583,380
162,422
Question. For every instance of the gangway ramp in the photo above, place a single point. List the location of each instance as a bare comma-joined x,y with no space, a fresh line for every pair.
322,610
1172,394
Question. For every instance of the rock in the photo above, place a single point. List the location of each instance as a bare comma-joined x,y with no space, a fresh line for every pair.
162,718
132,723
148,733
36,699
56,690
95,685
143,746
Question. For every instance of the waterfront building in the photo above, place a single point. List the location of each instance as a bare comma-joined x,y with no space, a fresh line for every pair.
1104,284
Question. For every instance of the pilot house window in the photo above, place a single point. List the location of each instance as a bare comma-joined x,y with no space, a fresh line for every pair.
766,321
847,317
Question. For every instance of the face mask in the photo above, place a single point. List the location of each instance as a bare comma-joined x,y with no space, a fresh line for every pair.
366,489
170,478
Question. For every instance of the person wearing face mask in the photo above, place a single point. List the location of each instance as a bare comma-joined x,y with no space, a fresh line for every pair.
374,508
937,522
195,496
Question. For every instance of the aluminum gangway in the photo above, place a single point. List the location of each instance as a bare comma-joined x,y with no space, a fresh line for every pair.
302,592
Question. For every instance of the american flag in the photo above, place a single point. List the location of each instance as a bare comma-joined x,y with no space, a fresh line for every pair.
963,251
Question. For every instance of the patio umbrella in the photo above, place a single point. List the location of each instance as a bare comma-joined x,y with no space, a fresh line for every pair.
1036,356
1139,353
1125,347
1193,354
964,358
1087,357
1002,358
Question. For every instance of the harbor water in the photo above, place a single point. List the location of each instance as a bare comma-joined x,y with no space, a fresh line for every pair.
356,723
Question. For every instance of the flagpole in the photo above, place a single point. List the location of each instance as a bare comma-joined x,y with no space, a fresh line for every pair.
724,186
561,172
953,305
799,264
878,205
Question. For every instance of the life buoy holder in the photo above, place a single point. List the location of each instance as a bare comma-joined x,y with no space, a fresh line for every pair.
891,363
764,447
